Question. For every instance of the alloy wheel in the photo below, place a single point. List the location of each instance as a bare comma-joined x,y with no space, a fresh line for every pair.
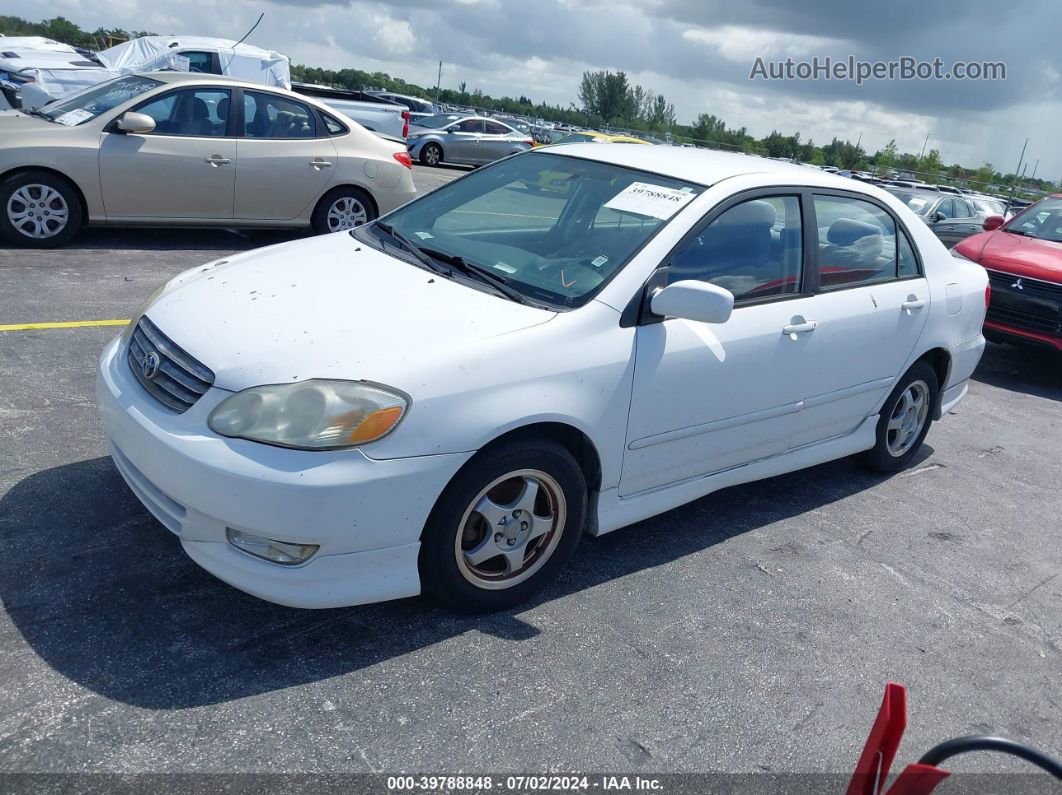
908,417
510,529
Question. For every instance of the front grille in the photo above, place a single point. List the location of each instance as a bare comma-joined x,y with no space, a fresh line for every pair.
170,375
1025,303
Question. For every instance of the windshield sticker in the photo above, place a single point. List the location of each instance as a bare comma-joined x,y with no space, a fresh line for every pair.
504,266
424,235
597,262
70,118
654,201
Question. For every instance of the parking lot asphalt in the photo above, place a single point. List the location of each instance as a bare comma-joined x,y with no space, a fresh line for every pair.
752,630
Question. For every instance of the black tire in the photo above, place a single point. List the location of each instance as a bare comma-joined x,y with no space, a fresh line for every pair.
61,197
894,448
323,224
453,522
436,156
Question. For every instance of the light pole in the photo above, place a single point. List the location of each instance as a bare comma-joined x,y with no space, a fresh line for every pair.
1034,168
1022,156
924,147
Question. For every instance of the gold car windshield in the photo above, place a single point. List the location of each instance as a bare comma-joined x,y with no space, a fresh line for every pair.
89,103
553,228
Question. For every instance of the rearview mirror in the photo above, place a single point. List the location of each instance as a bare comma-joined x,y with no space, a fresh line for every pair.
136,123
992,222
694,300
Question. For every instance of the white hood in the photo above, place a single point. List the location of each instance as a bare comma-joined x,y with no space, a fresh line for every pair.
321,308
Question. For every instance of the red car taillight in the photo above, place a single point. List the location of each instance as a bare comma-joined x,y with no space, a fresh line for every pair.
404,159
988,294
405,124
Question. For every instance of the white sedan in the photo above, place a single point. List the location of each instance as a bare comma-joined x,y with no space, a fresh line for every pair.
565,342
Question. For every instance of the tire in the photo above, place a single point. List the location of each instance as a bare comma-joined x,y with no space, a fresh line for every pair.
466,561
39,210
342,209
431,154
904,421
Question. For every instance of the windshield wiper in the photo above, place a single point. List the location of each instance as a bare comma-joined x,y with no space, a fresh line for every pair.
498,282
412,248
37,112
1017,232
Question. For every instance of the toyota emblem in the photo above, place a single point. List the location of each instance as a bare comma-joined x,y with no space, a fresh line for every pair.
149,368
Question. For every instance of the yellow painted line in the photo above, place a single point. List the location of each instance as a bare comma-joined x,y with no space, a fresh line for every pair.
65,324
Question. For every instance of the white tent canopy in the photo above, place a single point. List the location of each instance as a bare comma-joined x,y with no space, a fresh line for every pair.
151,54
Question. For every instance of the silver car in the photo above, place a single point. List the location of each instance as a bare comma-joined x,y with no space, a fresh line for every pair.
457,138
186,149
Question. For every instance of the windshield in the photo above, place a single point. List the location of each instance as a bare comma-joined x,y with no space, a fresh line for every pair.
434,122
554,228
918,203
88,104
1043,221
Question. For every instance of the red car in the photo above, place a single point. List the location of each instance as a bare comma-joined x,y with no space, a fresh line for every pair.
1023,258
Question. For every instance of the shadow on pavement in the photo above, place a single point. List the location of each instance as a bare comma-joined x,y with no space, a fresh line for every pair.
1021,368
105,595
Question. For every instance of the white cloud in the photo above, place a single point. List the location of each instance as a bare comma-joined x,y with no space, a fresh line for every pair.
743,44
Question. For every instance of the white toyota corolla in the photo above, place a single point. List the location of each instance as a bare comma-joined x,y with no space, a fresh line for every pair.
567,341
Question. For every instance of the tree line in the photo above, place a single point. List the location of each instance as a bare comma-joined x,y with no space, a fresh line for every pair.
606,99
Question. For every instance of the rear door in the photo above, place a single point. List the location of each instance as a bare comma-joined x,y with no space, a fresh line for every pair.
871,303
286,159
184,168
497,141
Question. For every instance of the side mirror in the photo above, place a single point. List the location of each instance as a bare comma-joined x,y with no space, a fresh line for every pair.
938,217
992,222
136,123
693,300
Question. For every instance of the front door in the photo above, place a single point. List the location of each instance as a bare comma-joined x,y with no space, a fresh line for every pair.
285,161
711,397
462,141
184,168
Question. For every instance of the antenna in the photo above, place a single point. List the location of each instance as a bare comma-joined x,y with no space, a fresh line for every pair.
248,33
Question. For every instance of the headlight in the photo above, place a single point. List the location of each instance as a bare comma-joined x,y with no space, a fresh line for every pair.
311,415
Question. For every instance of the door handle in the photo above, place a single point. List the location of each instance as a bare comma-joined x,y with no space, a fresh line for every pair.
804,327
913,302
218,160
319,164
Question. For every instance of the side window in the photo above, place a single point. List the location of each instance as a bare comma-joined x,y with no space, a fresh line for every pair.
906,264
333,125
754,250
962,209
946,208
197,112
274,116
493,128
857,242
202,62
469,126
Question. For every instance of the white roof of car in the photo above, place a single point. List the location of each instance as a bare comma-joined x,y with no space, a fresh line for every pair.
702,166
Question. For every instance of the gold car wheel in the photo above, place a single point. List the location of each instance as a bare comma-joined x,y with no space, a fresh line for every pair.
346,212
38,211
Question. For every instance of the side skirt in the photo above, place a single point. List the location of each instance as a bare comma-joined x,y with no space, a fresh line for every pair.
614,512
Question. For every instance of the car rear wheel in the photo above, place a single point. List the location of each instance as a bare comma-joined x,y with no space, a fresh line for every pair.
342,209
39,210
504,527
431,155
904,420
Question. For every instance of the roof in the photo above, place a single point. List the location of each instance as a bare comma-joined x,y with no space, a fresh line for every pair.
701,166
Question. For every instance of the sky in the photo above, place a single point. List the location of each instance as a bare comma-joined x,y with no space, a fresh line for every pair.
697,53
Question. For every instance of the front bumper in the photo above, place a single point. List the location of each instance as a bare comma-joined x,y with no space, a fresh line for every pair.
1026,309
366,514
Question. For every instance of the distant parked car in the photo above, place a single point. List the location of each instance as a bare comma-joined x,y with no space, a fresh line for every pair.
469,140
19,53
378,115
172,148
591,136
418,108
951,217
1023,257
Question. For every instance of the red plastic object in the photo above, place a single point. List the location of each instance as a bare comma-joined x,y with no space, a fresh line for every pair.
404,159
872,770
917,780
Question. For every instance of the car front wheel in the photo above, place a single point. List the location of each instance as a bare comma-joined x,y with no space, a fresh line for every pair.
39,210
904,420
431,155
504,527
